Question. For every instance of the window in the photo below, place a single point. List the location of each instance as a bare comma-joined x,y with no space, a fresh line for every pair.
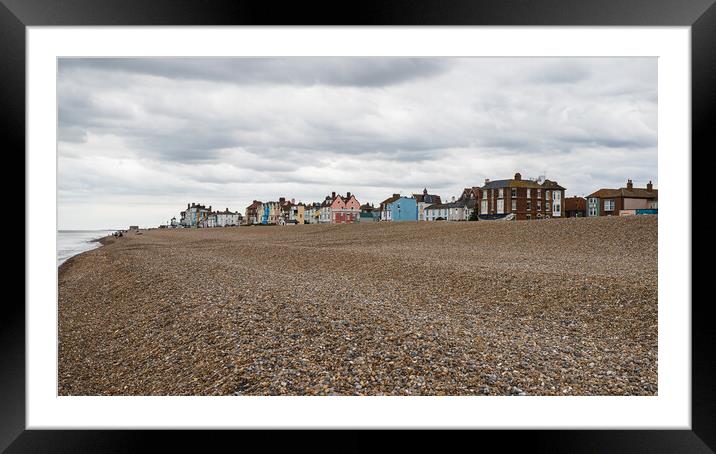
514,205
529,217
609,205
529,194
539,193
500,206
529,204
514,192
483,208
547,195
547,206
501,194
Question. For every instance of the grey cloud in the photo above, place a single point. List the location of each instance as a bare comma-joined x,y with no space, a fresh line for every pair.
361,72
72,134
563,72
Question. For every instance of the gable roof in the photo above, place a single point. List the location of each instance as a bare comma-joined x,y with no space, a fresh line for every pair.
254,205
549,184
390,199
427,198
469,203
515,184
496,184
512,183
575,204
634,193
347,199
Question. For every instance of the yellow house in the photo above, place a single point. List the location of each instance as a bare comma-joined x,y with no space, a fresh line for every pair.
274,212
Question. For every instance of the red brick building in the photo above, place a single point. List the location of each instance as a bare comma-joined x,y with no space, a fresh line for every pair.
575,207
254,212
610,202
526,199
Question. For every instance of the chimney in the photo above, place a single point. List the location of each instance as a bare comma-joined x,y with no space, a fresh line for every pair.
425,191
293,201
396,195
187,206
487,180
630,185
649,187
518,176
333,195
348,195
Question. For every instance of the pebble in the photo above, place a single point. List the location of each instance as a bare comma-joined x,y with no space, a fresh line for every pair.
443,308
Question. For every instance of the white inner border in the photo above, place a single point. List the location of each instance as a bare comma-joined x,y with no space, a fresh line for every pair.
670,409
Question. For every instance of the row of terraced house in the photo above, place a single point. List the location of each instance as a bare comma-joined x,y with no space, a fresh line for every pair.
501,199
515,198
198,215
334,209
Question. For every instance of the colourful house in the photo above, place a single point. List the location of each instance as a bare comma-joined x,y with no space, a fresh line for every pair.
403,209
266,213
385,212
299,213
254,212
196,215
312,213
344,210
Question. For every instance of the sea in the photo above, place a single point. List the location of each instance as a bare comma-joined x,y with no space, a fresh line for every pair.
73,242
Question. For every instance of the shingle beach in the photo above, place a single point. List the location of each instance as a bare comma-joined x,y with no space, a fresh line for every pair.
552,307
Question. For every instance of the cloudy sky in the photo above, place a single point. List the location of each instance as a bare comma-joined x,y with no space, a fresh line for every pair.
138,139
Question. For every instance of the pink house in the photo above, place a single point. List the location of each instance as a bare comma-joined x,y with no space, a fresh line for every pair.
344,210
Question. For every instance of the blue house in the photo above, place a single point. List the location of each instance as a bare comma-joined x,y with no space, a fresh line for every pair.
265,214
403,209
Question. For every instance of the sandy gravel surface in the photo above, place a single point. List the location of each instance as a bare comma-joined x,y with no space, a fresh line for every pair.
557,307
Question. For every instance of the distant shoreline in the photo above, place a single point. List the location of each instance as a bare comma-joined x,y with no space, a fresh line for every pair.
68,250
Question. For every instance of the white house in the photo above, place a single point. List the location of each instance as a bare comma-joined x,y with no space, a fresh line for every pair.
196,215
227,218
325,211
454,211
424,200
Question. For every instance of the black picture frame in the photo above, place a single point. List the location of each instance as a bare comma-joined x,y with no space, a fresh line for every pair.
16,15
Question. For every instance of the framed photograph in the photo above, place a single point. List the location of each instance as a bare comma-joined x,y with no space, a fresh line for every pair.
409,217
